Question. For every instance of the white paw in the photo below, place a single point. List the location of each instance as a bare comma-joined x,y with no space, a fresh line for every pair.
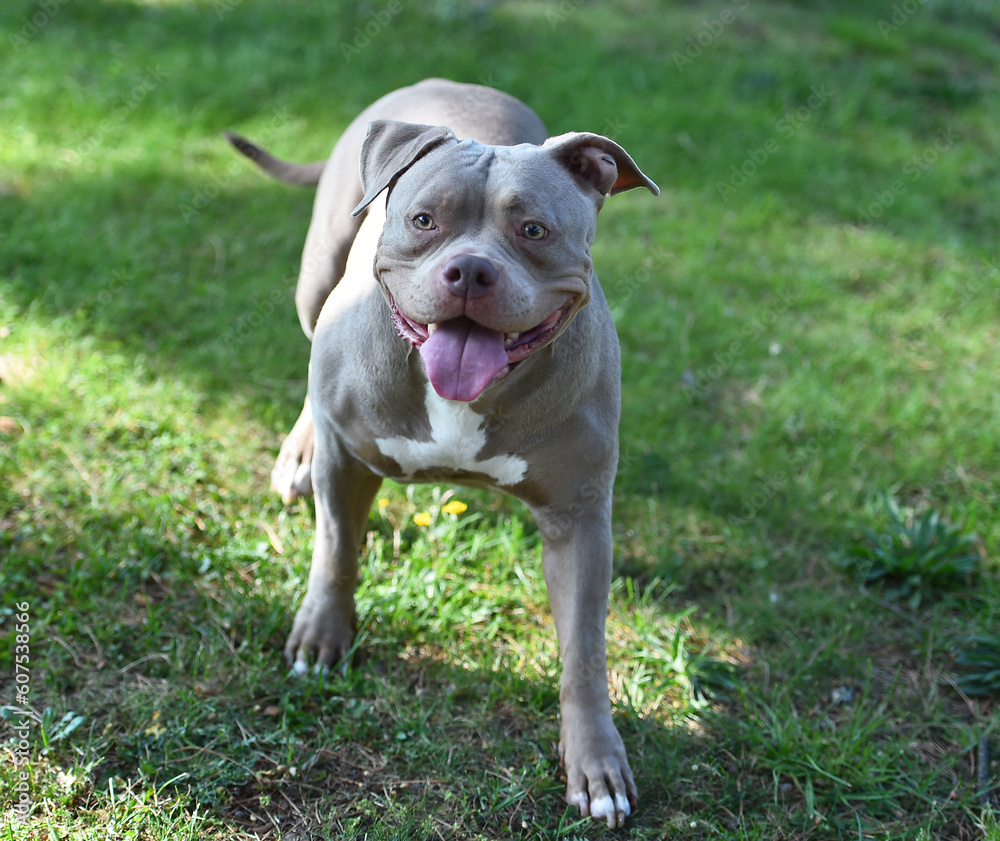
300,668
292,479
604,808
302,481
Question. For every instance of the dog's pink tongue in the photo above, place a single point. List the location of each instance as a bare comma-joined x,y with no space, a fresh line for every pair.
462,357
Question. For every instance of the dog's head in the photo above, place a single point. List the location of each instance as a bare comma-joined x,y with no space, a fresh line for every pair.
485,254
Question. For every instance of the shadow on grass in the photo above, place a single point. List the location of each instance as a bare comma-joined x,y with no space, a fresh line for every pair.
398,740
407,737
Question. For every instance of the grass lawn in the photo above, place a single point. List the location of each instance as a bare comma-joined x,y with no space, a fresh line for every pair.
804,619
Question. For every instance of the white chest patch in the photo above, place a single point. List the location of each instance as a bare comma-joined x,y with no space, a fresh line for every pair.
456,437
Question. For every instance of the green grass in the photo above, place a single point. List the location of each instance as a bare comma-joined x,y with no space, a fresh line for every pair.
809,321
919,558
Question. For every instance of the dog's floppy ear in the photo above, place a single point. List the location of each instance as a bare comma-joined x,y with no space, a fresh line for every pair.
599,162
391,148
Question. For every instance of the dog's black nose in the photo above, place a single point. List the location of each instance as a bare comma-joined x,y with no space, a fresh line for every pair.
469,276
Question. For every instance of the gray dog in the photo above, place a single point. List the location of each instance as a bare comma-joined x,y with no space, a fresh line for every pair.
459,334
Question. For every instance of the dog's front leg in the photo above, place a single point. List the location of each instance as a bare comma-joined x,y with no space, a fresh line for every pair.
576,556
324,626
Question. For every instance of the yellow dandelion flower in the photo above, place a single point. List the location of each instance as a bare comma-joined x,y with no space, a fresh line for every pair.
155,729
456,506
422,519
383,503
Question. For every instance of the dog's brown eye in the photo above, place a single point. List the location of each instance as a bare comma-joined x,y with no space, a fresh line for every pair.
424,221
532,230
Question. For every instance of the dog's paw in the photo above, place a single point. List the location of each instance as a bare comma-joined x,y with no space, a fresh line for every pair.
322,636
292,473
599,780
603,808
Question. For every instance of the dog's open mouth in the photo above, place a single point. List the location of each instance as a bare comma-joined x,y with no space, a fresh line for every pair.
463,357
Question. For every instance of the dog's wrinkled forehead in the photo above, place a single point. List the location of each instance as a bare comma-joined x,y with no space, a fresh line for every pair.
472,178
461,168
596,166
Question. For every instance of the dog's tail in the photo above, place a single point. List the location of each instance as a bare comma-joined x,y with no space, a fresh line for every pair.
306,175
